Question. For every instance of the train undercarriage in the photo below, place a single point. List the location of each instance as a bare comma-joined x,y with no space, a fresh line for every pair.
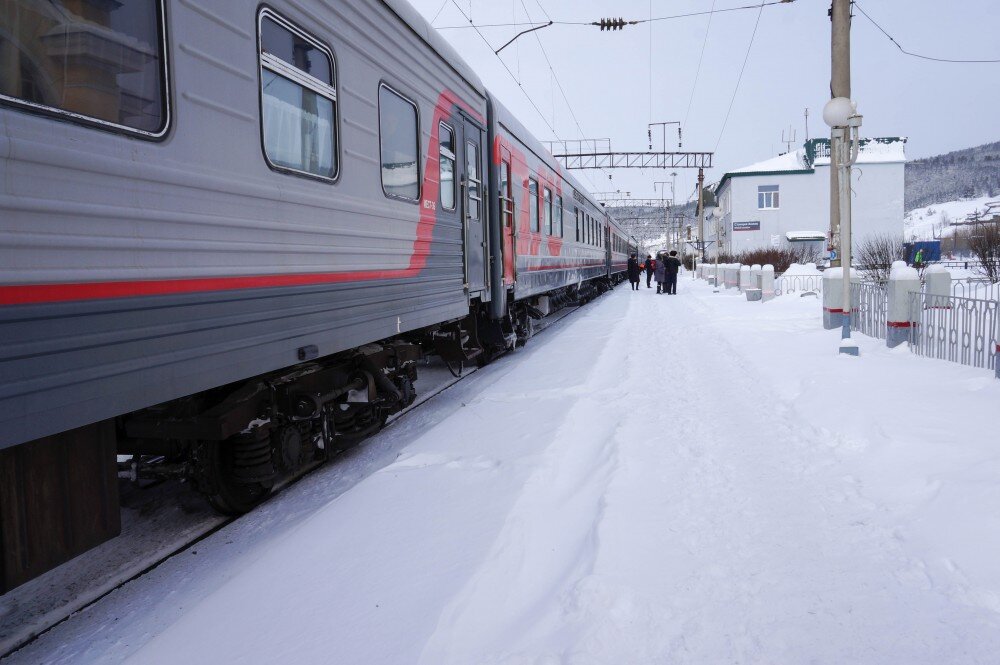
235,443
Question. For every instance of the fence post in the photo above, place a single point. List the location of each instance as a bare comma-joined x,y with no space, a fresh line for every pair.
744,277
903,280
938,286
766,277
833,296
755,276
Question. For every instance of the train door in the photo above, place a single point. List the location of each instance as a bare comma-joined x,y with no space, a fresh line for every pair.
474,209
508,220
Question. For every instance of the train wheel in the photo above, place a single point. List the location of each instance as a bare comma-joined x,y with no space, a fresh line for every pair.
230,491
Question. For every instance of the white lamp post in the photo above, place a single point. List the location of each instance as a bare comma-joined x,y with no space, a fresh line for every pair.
841,114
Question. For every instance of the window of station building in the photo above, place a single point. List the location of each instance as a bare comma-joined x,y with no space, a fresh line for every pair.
446,159
399,143
298,99
767,197
547,211
97,62
533,203
558,230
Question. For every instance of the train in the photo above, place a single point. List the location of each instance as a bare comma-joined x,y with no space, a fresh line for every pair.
230,231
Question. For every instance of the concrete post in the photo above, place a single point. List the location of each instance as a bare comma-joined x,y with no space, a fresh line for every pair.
767,282
903,280
730,279
833,308
755,276
744,278
938,281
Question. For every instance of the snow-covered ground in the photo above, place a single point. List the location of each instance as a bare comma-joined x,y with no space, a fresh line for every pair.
933,221
689,479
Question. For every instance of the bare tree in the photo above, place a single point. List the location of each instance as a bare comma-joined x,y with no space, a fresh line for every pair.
876,253
984,242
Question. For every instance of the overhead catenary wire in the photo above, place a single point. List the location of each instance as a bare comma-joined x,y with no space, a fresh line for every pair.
740,78
697,72
629,22
555,77
514,78
917,55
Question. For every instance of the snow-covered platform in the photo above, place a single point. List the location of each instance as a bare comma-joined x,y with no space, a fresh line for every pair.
686,479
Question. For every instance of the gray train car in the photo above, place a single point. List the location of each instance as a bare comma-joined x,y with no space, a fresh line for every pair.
553,234
228,233
196,193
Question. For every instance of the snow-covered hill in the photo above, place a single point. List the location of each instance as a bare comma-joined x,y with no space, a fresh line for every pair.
934,221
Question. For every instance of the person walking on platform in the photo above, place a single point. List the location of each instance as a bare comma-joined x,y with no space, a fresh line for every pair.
633,272
650,267
660,274
671,266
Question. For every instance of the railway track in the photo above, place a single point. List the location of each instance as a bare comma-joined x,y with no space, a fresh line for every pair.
164,520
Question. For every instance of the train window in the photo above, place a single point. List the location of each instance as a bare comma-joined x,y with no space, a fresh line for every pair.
298,100
533,203
399,141
506,202
474,179
547,211
100,63
446,159
577,224
559,217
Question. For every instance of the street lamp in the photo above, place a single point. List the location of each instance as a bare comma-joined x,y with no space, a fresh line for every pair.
841,114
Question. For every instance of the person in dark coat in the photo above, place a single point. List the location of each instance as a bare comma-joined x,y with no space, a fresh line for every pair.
671,266
660,274
650,267
633,272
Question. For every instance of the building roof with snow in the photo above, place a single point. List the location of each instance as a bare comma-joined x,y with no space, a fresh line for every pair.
816,152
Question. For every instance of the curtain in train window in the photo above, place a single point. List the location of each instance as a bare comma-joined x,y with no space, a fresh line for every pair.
397,122
101,60
298,98
558,228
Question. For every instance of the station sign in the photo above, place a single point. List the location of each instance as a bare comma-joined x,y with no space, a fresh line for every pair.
746,226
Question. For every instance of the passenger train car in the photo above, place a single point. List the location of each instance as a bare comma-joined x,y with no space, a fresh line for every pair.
227,234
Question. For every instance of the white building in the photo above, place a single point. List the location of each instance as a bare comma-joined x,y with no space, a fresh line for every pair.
785,201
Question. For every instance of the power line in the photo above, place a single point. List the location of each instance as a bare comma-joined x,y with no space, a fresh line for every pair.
555,76
916,55
740,79
440,9
630,22
697,72
514,78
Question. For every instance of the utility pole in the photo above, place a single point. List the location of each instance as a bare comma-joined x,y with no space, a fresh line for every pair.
701,218
840,86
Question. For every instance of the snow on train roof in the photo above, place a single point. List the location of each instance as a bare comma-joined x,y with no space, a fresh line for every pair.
429,34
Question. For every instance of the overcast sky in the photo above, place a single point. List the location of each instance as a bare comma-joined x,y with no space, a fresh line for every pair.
617,83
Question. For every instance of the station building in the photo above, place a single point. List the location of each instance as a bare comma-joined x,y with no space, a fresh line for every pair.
784,202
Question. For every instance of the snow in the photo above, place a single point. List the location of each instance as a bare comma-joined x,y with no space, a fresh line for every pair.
934,221
689,479
808,269
790,161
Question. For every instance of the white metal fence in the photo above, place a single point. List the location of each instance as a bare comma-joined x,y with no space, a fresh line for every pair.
869,308
962,330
